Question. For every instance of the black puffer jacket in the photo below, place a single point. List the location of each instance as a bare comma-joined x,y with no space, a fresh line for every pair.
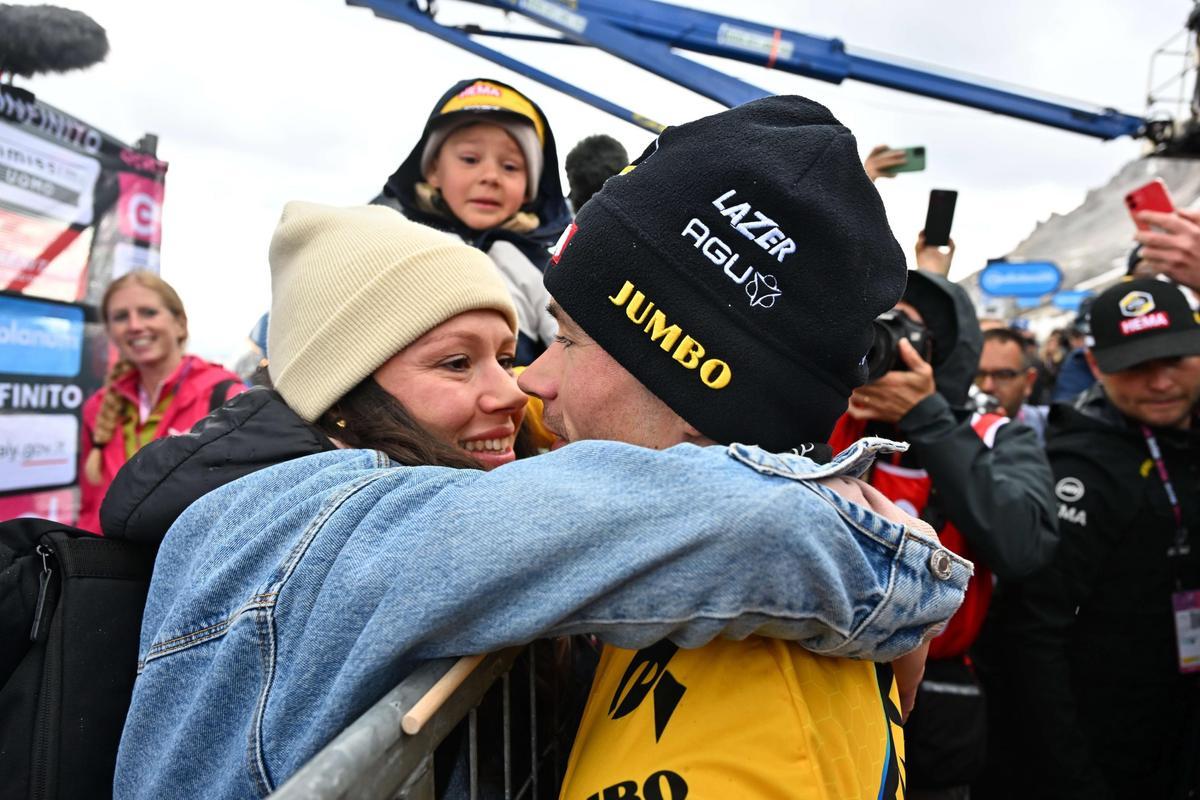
1106,710
253,431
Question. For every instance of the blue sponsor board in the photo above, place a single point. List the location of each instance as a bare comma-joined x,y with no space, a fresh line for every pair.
39,338
1020,278
1070,301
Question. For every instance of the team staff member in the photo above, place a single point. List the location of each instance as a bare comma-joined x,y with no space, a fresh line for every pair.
1111,701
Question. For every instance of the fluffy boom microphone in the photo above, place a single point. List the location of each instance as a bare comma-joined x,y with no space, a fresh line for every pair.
38,39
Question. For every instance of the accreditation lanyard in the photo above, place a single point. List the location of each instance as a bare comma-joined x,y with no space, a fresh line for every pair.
1181,546
1185,604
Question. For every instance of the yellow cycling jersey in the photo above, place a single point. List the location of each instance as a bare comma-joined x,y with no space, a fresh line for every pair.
759,718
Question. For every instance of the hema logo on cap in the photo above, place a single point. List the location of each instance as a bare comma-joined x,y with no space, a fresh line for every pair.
480,88
1158,319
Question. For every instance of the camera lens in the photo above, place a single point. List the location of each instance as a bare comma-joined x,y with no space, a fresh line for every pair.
889,328
882,355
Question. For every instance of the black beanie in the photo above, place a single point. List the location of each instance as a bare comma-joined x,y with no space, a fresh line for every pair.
735,269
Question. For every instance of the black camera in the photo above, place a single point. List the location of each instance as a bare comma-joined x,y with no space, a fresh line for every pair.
890,327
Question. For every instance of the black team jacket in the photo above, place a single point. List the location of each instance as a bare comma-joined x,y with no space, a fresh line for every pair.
1106,710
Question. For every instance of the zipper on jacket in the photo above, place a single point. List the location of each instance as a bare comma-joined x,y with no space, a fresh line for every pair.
49,692
43,586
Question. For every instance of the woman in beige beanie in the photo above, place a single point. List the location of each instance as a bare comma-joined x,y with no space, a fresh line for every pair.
368,309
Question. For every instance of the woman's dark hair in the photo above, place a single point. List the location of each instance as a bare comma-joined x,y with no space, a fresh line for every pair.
368,417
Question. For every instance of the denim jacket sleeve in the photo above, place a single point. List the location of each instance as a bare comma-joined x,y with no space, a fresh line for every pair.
630,544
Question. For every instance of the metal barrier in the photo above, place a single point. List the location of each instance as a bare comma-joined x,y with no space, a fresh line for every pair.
388,752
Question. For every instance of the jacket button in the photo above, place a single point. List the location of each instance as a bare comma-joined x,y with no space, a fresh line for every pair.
941,565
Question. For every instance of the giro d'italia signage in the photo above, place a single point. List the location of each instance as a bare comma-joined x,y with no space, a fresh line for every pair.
1020,278
41,394
77,208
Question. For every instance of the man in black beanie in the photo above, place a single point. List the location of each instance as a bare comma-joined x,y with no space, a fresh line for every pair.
721,290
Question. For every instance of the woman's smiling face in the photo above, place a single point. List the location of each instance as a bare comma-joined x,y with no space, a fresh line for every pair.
142,328
456,381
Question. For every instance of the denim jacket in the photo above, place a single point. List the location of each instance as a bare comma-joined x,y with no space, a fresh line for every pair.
285,603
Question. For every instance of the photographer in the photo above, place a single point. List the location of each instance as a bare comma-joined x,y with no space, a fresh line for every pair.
981,480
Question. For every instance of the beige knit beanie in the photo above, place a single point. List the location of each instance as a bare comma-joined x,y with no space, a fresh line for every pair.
351,287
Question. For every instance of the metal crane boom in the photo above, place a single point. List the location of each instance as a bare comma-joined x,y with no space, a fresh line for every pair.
645,32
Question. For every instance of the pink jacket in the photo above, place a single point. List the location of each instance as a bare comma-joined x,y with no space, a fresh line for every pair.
192,382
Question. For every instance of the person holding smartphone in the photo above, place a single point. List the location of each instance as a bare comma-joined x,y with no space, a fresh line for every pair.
1171,246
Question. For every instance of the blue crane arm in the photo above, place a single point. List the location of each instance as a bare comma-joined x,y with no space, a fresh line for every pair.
653,56
404,11
643,32
827,60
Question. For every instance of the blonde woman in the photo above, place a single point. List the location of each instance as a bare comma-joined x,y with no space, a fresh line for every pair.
153,390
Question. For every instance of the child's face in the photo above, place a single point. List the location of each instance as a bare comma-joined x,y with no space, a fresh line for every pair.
480,171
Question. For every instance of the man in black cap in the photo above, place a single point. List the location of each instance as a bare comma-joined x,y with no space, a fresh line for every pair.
720,290
1108,636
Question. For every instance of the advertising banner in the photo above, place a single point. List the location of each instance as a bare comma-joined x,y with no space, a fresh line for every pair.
38,450
45,178
77,207
24,245
39,338
41,364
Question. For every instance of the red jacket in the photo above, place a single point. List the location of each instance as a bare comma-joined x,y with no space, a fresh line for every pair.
192,383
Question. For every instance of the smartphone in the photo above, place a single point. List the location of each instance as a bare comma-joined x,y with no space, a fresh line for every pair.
914,160
1153,196
939,217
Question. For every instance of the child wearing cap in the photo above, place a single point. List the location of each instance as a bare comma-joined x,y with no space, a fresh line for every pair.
486,169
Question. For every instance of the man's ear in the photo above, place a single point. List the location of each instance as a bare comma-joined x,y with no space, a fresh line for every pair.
1031,375
1092,365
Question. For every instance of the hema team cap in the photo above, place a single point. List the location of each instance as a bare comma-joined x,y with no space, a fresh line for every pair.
1141,320
497,104
734,269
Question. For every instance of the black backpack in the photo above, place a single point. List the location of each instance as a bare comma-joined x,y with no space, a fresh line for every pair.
71,608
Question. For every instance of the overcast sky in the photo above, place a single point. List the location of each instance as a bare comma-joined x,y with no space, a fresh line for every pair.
259,102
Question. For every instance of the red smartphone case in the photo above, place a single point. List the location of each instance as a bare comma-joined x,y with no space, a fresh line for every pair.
1151,197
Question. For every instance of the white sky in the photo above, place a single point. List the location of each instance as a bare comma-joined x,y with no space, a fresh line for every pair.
257,102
